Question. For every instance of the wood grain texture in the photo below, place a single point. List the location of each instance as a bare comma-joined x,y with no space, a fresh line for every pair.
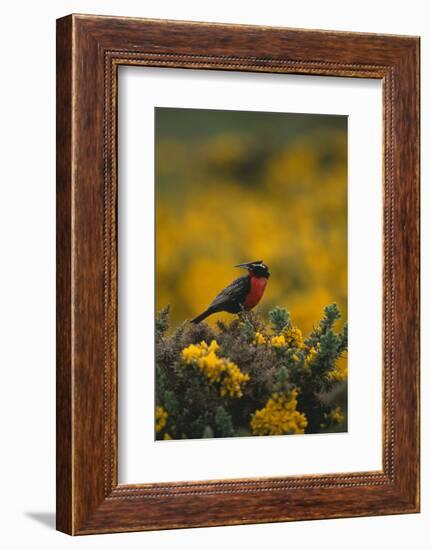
64,497
90,49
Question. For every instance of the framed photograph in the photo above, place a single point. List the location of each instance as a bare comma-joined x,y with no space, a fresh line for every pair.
237,274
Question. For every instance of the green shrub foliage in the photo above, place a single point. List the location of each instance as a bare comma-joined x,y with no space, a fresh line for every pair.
250,377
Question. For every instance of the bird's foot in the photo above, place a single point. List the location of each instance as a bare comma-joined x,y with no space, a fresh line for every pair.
243,314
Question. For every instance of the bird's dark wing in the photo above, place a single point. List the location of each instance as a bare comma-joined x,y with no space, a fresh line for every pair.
233,295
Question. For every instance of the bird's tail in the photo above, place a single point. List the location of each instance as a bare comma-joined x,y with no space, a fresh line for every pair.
202,316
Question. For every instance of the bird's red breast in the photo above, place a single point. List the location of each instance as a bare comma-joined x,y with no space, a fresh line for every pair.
257,288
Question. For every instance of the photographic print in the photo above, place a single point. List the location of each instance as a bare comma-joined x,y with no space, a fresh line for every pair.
251,274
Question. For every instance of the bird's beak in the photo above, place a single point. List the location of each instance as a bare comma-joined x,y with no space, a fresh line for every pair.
244,266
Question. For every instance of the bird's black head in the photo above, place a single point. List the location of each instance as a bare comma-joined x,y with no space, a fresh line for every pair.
258,268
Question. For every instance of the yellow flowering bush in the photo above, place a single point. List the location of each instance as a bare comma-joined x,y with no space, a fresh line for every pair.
279,416
216,369
250,377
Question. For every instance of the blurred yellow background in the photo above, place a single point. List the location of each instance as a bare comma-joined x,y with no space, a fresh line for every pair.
234,187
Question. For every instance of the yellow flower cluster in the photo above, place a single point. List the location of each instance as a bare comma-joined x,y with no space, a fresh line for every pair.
278,341
279,416
293,337
290,338
312,352
339,372
336,415
197,351
216,369
161,418
259,339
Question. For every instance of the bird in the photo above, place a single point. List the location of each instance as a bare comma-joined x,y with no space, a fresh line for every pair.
242,294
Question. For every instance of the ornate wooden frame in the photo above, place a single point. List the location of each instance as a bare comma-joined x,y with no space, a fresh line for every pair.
89,51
